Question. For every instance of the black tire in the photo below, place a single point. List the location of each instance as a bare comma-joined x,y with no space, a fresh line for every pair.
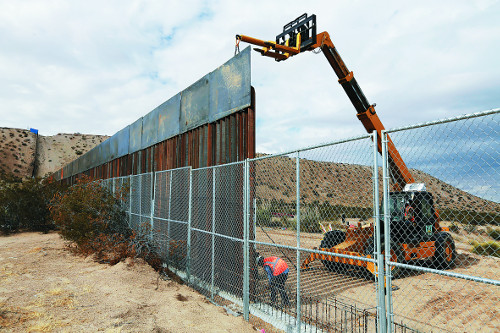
331,239
445,255
397,256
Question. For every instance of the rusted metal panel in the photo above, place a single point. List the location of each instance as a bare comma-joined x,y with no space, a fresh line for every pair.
150,129
135,137
65,170
119,142
195,105
103,151
94,155
230,86
84,163
250,132
211,122
76,166
168,118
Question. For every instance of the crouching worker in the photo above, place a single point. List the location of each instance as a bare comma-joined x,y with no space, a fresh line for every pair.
277,272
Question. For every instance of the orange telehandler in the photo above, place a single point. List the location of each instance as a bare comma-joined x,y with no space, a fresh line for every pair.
415,232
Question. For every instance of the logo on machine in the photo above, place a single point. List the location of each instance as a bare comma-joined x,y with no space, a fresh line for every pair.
428,229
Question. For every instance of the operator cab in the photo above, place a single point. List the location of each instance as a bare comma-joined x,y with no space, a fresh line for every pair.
412,216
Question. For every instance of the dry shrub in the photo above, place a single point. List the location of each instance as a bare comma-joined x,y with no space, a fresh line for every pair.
490,248
87,210
93,218
24,204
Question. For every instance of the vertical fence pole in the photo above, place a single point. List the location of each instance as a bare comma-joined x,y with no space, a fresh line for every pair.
298,310
152,196
130,201
254,218
381,312
213,236
140,203
387,232
168,215
188,252
246,254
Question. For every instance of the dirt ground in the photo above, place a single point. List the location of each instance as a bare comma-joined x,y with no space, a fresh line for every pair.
45,288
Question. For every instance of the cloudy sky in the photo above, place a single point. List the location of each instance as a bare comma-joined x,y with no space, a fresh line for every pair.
97,66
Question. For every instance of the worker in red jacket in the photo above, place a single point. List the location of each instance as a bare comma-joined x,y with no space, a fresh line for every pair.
277,272
409,213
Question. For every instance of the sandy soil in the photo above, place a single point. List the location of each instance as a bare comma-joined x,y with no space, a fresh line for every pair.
43,288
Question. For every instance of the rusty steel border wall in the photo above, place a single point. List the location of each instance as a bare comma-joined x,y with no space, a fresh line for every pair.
211,122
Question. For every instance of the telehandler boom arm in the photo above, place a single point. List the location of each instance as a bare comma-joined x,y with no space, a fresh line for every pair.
299,36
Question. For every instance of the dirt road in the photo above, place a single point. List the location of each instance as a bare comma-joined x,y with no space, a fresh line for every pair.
44,288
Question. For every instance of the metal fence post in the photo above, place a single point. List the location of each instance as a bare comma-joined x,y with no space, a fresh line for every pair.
188,252
246,261
254,218
140,203
298,310
381,311
387,232
168,216
213,236
152,195
130,201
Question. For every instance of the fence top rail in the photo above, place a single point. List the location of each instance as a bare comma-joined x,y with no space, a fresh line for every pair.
219,165
140,174
176,169
445,120
446,273
321,145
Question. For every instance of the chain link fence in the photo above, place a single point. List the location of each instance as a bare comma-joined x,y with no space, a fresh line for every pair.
352,250
454,283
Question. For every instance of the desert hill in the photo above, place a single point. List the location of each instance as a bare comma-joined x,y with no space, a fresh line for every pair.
24,154
17,152
348,185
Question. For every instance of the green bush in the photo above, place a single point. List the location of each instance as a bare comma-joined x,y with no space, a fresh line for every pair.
494,233
309,220
328,212
263,216
470,217
490,248
454,228
24,205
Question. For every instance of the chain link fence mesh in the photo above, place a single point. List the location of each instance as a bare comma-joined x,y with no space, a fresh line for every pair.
452,227
316,209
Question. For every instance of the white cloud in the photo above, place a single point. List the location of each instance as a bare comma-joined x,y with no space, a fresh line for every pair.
95,67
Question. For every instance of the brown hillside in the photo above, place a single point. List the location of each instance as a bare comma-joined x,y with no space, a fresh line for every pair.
348,185
335,183
17,152
58,150
20,153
